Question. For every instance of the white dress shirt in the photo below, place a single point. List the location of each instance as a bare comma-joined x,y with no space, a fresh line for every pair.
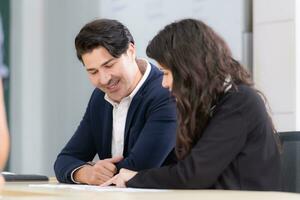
120,111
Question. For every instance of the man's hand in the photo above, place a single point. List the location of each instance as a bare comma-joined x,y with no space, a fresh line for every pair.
120,179
102,171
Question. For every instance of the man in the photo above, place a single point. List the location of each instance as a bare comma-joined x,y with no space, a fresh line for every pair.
130,121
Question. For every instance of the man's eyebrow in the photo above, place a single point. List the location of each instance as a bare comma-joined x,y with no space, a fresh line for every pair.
106,62
90,69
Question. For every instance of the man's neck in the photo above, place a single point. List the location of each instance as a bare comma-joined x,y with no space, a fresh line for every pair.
142,65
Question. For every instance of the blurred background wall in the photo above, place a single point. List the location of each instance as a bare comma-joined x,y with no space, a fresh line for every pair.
275,71
49,88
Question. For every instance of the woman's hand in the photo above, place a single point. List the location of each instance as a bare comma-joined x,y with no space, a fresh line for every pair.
121,178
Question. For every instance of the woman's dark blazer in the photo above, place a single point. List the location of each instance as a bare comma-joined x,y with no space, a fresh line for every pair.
237,151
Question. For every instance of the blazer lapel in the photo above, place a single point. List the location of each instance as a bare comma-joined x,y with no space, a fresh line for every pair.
131,112
137,99
107,131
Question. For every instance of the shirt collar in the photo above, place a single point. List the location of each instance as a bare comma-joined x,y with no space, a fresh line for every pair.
227,84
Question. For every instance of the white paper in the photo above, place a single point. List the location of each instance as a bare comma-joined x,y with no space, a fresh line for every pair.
94,188
7,173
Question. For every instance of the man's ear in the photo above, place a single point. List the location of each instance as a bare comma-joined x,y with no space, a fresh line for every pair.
131,51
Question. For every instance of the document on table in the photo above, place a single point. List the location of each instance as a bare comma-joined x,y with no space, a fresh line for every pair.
94,188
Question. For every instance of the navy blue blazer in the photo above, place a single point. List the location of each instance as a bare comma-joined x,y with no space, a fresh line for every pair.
150,131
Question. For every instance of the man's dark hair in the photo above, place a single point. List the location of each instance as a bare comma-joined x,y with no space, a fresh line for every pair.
107,33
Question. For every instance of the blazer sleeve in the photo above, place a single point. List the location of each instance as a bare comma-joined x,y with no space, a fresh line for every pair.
157,137
221,141
77,151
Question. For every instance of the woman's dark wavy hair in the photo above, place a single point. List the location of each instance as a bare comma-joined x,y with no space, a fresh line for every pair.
200,61
107,33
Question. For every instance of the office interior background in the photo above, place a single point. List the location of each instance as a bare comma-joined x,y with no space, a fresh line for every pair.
48,88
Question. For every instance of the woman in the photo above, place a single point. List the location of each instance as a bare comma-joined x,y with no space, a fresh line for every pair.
4,140
225,137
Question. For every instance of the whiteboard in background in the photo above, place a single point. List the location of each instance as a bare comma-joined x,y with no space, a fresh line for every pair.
145,18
